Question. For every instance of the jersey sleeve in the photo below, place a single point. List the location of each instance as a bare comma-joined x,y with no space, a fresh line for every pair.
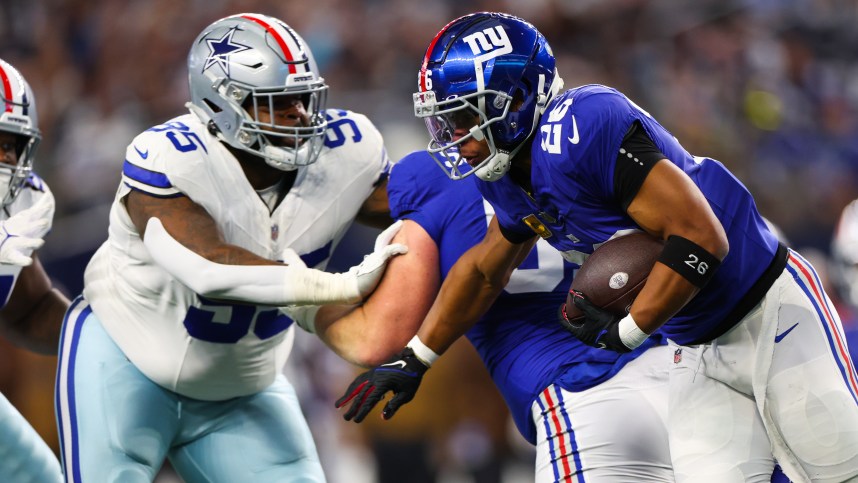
144,168
348,128
411,189
597,120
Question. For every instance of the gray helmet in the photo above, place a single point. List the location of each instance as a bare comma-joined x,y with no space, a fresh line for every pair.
243,62
18,116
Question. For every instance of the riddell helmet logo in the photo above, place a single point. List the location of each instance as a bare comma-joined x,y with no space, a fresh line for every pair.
488,44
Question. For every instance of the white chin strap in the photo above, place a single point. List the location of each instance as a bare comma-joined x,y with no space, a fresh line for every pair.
495,167
280,158
498,164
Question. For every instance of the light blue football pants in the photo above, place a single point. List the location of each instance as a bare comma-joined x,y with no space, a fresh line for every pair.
116,425
24,456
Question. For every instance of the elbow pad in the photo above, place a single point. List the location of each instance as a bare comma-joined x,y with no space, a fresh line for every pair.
275,285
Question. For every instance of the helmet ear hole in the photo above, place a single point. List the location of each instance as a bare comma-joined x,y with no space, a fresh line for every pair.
517,100
214,107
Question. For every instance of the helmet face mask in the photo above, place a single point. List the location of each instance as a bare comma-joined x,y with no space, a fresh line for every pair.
19,118
496,65
244,65
445,120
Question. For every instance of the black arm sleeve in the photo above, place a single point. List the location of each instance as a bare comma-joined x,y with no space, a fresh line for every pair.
638,154
515,237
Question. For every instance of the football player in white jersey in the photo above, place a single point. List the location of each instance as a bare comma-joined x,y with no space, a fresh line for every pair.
175,348
31,310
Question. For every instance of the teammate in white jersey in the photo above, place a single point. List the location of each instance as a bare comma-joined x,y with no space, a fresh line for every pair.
176,346
31,310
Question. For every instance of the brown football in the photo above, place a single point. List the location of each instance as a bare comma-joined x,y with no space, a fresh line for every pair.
615,273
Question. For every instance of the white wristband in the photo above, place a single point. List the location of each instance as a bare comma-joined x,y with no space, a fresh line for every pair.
303,315
422,351
630,334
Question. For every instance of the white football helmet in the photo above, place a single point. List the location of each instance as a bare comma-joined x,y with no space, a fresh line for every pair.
247,61
18,116
844,255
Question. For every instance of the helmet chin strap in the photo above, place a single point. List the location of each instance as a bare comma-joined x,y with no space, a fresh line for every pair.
278,158
499,163
495,167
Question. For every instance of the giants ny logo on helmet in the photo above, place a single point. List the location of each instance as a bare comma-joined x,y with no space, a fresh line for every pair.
488,44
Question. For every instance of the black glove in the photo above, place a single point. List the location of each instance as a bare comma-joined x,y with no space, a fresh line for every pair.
401,374
598,329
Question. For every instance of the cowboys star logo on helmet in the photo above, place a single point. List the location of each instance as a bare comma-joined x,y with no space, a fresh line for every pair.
221,49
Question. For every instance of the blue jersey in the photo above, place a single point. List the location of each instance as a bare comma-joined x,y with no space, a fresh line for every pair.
520,340
573,160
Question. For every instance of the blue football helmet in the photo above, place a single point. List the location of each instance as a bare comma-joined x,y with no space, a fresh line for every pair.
489,75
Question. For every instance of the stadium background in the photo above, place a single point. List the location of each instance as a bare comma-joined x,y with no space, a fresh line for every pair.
769,87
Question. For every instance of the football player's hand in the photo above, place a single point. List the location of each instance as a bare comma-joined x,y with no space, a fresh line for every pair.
599,327
368,273
401,374
23,232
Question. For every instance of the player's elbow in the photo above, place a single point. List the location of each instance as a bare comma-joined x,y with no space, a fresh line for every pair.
371,355
381,343
717,243
206,281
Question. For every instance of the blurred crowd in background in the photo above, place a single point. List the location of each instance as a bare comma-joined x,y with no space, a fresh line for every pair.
769,87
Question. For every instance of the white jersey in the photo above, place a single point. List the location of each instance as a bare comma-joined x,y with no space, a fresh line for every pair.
34,188
207,349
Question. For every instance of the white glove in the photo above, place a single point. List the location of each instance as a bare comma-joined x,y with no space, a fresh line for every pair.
368,273
303,315
23,232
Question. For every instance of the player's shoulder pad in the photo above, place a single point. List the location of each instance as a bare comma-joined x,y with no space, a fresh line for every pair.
360,135
341,115
154,153
583,125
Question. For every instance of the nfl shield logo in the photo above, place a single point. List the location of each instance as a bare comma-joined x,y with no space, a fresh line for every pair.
677,356
275,232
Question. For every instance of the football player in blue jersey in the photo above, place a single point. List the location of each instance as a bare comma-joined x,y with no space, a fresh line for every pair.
175,349
31,310
555,387
759,367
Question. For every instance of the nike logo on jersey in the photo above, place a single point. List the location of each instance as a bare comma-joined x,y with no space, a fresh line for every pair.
143,154
599,343
395,364
783,334
575,138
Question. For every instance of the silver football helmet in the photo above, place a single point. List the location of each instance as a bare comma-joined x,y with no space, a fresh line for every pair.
844,255
247,62
18,116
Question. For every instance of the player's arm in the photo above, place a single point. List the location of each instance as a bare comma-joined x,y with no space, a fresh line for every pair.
189,224
33,317
471,287
670,206
371,333
375,211
468,291
665,202
184,240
